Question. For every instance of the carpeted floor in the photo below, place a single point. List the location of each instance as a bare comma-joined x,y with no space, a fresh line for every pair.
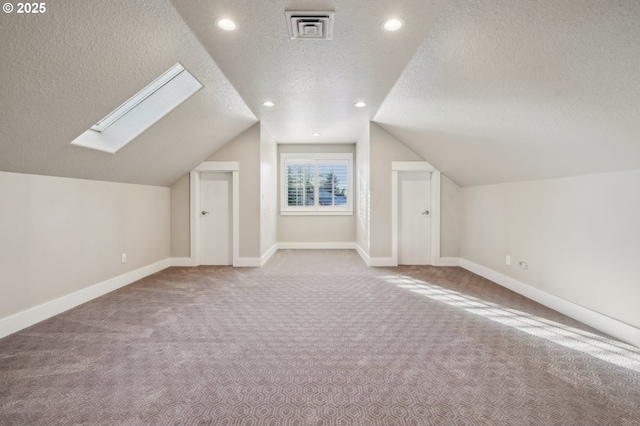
316,338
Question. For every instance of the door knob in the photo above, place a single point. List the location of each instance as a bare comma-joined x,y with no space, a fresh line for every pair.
204,212
426,212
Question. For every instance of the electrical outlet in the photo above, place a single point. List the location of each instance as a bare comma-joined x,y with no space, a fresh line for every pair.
524,264
508,260
124,257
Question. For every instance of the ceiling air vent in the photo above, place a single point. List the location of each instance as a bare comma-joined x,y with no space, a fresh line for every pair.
310,25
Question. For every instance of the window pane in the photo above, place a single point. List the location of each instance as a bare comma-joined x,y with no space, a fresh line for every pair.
300,185
332,184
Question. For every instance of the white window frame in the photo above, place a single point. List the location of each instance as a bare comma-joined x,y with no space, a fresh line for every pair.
315,159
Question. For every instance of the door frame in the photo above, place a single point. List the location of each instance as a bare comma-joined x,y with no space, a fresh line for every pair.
232,167
416,166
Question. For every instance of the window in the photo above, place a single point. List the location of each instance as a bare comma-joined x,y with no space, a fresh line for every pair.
316,184
141,111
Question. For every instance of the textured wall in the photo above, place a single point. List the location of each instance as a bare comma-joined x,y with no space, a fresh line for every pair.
61,235
579,236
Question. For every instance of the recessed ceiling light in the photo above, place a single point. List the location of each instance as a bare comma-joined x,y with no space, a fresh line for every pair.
316,134
268,103
226,24
360,104
393,24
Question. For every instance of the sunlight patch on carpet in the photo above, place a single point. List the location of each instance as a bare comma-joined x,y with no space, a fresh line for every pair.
608,350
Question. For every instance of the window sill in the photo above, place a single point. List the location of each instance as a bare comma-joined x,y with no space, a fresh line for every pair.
317,213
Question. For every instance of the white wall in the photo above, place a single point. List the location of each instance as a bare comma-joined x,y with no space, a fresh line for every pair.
363,191
61,235
180,227
369,226
315,229
384,149
256,152
245,149
579,235
269,191
450,217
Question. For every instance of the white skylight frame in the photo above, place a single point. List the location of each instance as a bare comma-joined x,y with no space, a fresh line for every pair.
138,98
141,111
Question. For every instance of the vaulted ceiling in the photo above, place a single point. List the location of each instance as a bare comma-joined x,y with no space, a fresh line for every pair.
504,90
64,70
490,91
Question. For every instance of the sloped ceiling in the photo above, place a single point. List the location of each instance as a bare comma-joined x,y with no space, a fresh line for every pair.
487,91
314,83
503,90
64,70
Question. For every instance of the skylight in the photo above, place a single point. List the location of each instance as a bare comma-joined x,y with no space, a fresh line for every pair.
141,111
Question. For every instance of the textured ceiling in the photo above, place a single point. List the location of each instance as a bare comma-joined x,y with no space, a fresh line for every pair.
487,91
62,71
314,83
504,90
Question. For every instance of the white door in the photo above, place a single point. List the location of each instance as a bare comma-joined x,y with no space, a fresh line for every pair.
414,218
215,219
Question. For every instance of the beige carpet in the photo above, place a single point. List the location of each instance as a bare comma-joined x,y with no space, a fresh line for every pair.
316,338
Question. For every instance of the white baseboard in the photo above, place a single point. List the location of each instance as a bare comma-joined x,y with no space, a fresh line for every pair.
449,261
182,261
247,262
317,245
611,326
363,254
255,262
265,257
260,261
382,261
26,318
242,261
374,261
389,262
